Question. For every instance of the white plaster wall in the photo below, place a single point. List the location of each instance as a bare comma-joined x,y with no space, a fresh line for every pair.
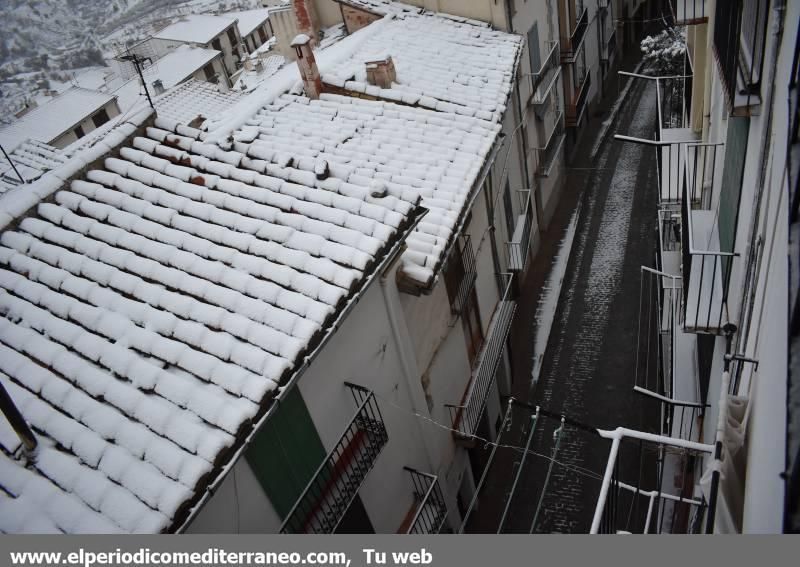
239,506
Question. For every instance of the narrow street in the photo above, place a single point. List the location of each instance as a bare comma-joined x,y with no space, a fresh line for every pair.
587,373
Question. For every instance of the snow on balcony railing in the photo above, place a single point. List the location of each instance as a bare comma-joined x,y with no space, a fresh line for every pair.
571,47
688,12
431,509
577,108
335,484
546,156
466,417
543,81
706,270
520,241
606,519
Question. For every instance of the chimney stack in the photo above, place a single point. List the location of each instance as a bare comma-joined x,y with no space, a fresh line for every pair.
158,87
305,16
381,72
307,66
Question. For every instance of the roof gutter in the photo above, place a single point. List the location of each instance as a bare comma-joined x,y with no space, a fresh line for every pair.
390,257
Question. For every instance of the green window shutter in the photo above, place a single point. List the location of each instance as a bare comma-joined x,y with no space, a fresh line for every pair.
731,189
533,48
286,453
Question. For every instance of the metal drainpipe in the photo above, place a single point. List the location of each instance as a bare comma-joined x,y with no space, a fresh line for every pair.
722,419
754,252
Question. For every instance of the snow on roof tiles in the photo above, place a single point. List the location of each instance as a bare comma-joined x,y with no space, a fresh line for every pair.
195,28
57,116
249,20
150,313
194,98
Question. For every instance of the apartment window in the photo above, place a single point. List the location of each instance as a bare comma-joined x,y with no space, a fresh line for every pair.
740,30
533,48
508,206
210,74
731,186
471,323
100,118
216,44
78,131
263,35
232,37
286,453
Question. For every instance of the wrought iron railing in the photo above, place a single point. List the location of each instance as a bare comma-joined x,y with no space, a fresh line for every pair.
335,484
546,156
688,12
570,48
431,510
545,78
462,274
520,241
706,275
696,166
576,109
466,417
740,30
674,102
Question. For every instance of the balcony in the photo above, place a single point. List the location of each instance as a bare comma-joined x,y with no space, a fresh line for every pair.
335,484
521,238
610,45
740,29
688,12
576,109
664,512
706,270
430,509
571,47
682,164
543,81
460,275
546,156
466,417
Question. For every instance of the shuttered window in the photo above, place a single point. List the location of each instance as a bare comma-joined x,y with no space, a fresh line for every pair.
731,189
286,453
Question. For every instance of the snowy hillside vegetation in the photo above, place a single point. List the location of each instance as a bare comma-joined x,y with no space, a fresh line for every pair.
45,43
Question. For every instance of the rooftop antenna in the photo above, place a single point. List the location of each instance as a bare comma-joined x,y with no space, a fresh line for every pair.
138,62
14,167
16,421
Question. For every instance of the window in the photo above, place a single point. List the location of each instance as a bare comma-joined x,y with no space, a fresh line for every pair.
508,205
471,323
263,35
78,131
232,37
533,48
217,44
210,74
731,186
740,28
100,118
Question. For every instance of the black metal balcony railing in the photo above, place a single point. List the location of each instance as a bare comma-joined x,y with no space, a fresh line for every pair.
571,47
547,155
431,509
544,79
706,274
466,417
740,29
461,275
576,109
687,164
674,102
338,479
520,241
688,12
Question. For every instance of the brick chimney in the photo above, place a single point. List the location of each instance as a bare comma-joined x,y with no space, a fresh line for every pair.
307,66
381,72
305,16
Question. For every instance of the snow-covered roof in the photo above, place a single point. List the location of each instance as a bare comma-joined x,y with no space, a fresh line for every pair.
152,310
194,98
54,118
31,159
462,72
195,28
248,20
383,7
172,69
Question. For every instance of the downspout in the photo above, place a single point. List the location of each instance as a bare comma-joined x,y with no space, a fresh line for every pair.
407,362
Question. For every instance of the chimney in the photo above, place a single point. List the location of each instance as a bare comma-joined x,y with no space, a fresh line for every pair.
305,16
381,72
158,87
307,66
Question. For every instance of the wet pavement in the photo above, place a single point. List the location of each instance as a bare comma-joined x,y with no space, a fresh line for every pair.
588,369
